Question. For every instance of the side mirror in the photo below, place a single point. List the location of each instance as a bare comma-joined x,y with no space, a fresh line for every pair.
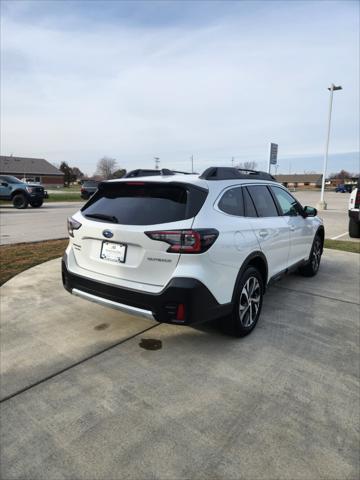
4,184
310,211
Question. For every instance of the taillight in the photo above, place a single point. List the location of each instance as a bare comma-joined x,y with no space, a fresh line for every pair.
72,225
186,241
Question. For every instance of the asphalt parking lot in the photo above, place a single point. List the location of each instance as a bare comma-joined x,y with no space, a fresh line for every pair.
82,400
49,221
336,217
34,224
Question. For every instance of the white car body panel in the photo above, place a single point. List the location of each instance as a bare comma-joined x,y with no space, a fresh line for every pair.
352,200
140,256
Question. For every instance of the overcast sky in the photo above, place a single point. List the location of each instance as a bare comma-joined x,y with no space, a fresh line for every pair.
134,80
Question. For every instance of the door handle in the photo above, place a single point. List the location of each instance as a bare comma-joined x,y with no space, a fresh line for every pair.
263,233
292,228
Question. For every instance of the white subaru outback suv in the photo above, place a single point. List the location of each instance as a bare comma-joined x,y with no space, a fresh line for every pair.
185,249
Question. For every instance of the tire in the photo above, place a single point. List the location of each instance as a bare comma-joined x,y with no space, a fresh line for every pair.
37,203
312,266
20,201
245,314
354,228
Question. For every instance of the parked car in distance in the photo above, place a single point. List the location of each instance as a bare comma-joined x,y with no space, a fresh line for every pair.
354,212
341,188
21,194
88,188
185,249
344,188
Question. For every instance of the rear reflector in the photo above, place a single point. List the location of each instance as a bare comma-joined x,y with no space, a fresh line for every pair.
180,312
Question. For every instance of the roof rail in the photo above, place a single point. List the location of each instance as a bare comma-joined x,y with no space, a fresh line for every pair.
146,172
184,173
230,173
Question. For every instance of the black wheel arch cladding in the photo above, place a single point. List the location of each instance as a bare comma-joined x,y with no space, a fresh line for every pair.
257,260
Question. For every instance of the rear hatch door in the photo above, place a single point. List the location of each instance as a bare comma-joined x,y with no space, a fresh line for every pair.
112,240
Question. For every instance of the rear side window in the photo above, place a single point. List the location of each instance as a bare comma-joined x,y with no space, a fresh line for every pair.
232,202
148,203
263,201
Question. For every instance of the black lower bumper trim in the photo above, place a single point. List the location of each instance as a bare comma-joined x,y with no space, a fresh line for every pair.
200,304
354,215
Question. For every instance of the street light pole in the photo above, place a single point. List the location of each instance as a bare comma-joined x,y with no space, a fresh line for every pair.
322,205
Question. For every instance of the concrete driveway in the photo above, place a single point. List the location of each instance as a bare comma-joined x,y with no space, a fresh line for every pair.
82,400
336,219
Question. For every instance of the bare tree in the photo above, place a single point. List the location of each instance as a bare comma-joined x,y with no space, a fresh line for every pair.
106,166
247,165
342,175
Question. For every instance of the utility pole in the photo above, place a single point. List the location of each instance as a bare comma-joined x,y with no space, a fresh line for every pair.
157,163
232,161
192,163
322,205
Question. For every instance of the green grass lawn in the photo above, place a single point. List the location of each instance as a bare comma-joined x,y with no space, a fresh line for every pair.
64,197
344,245
15,259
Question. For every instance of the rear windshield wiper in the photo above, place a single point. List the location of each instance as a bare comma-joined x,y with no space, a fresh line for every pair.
102,216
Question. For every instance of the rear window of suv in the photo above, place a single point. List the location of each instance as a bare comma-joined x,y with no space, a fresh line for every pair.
144,203
90,183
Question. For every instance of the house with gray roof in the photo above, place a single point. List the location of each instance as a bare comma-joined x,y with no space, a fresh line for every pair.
32,169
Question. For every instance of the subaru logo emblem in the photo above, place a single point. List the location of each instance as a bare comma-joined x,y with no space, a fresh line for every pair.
108,234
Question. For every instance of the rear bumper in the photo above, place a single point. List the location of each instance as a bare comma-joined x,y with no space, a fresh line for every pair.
199,303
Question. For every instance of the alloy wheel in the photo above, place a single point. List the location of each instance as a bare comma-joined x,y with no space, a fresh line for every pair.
249,301
316,256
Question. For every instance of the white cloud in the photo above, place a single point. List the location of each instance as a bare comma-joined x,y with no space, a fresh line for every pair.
217,90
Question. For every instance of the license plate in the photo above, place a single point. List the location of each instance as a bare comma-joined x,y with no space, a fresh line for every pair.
114,252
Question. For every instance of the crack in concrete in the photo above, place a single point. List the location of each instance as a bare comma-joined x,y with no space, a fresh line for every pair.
83,360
